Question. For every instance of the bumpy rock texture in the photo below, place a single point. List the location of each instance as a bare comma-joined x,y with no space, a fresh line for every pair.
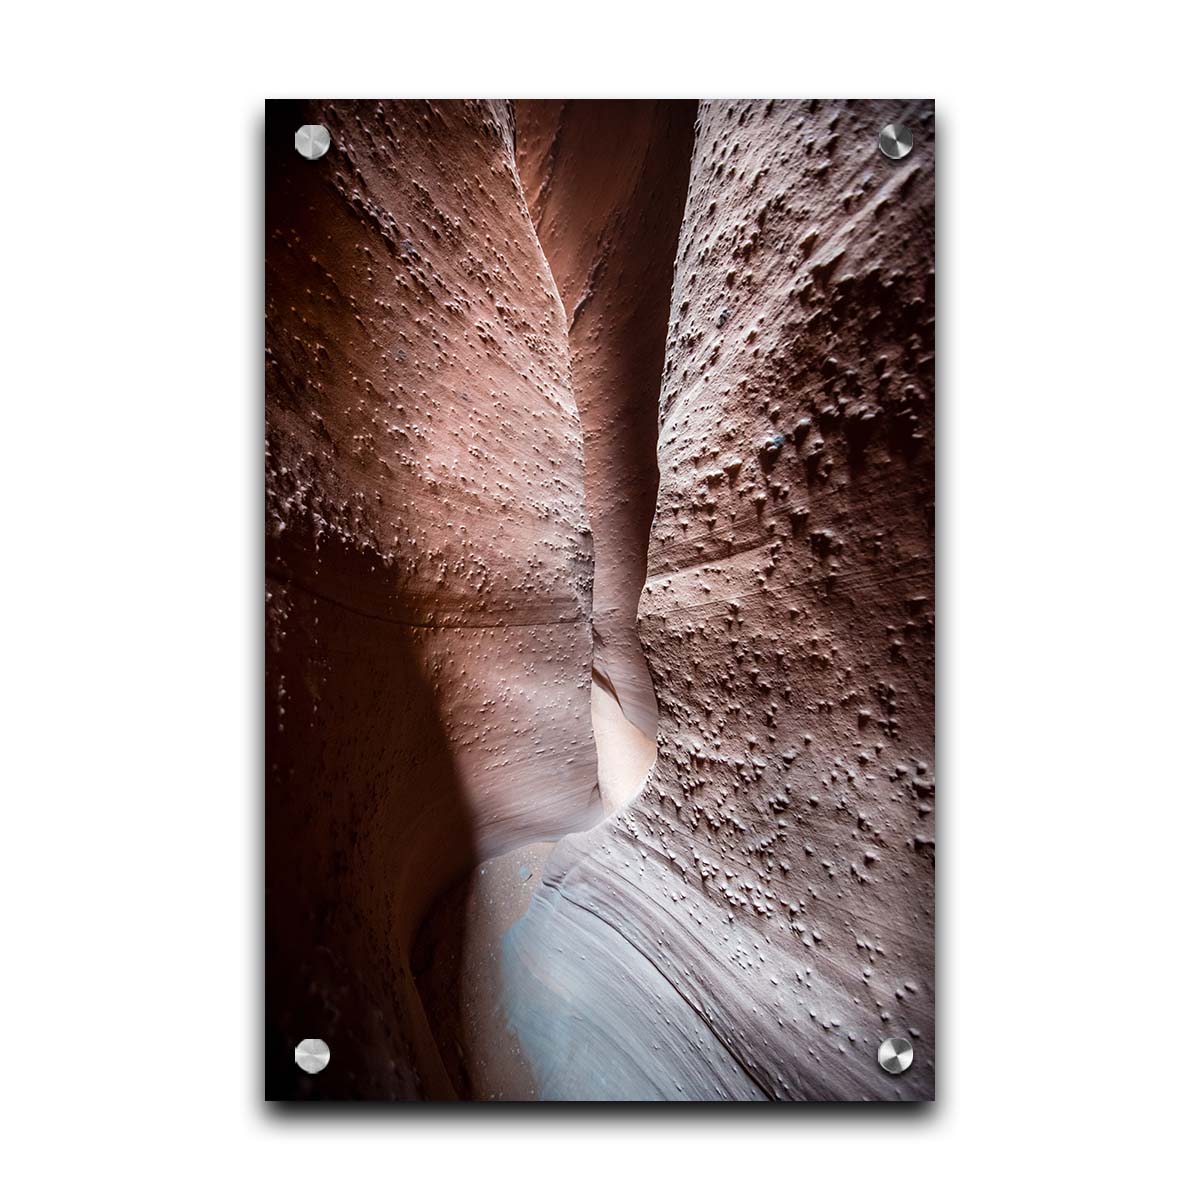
428,560
761,917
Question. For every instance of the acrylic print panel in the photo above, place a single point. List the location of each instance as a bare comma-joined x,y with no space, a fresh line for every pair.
599,559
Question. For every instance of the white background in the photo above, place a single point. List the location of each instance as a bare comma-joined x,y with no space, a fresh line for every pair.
131,437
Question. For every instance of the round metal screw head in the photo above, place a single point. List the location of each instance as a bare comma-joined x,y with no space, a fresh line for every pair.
895,141
312,1055
312,140
895,1055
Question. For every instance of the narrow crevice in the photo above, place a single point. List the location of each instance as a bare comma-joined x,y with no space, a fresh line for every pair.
604,187
607,181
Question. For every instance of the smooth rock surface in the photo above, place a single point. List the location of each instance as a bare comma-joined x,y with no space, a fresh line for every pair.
606,182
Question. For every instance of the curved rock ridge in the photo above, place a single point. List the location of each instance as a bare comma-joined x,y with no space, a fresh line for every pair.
761,916
429,566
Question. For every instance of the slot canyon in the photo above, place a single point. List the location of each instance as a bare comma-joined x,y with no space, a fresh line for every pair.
600,593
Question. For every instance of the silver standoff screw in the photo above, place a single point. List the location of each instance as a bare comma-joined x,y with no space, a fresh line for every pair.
895,141
312,140
895,1055
312,1055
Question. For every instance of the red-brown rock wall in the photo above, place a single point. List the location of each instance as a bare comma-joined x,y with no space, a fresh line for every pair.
762,915
428,559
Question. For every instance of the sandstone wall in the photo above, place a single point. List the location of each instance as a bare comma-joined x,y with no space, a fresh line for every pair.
761,917
428,559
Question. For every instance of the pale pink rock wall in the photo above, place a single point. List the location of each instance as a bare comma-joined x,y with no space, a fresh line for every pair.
606,182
